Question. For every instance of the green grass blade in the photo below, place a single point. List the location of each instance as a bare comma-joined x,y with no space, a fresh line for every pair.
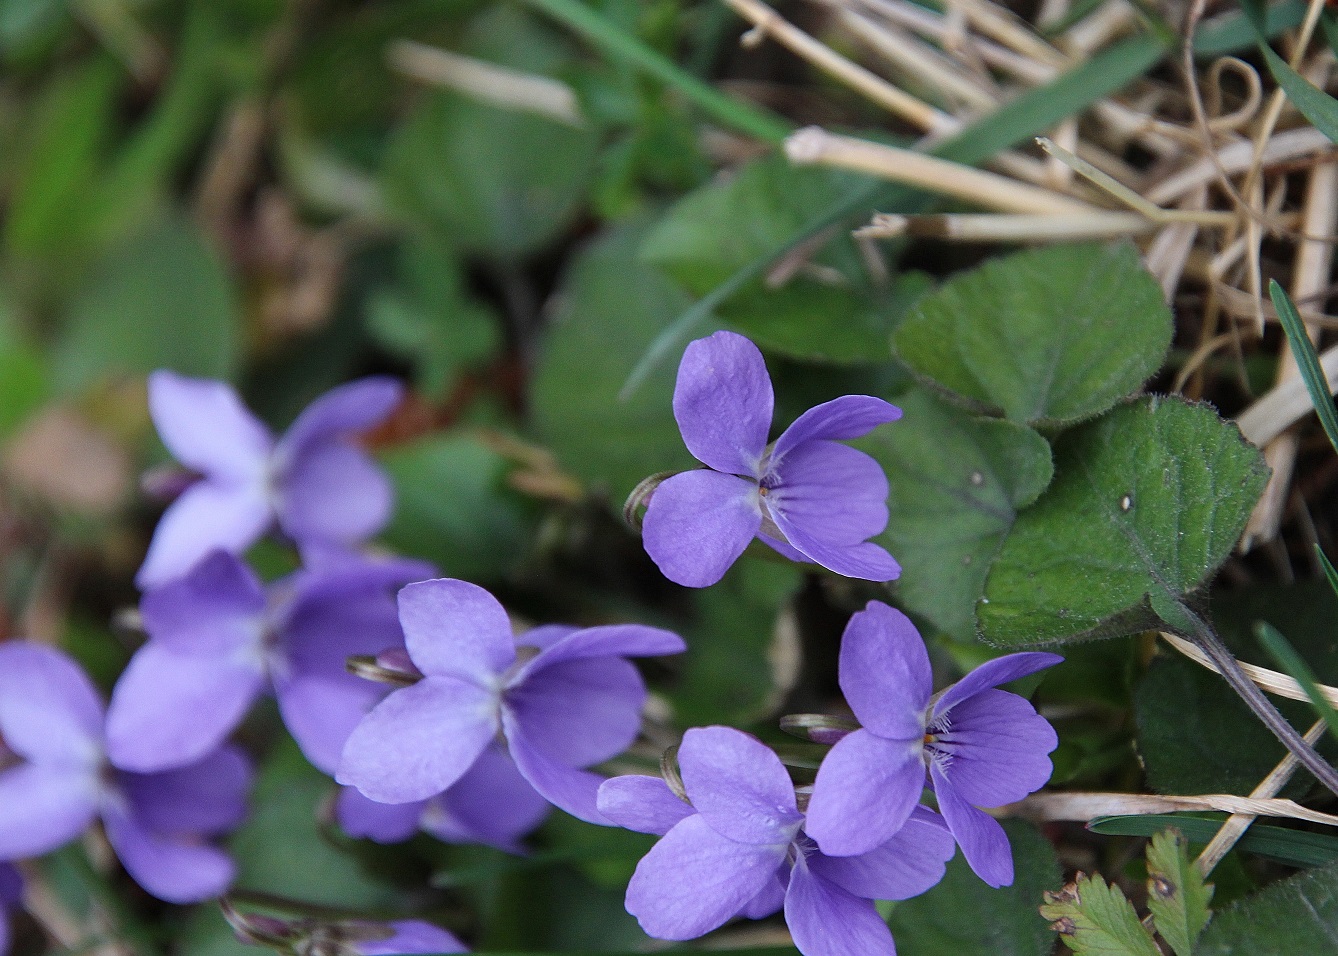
1329,571
1296,847
1321,395
1295,666
619,45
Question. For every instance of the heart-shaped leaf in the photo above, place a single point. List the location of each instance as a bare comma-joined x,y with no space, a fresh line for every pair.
1048,336
1147,503
1288,918
957,482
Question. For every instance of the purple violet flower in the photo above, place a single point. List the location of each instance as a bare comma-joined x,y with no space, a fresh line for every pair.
806,496
409,938
312,481
740,849
491,804
51,718
218,637
11,895
564,699
983,747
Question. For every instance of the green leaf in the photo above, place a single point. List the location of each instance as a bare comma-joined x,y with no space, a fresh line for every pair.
957,483
1003,922
711,233
1303,350
1146,504
1094,919
1316,105
281,849
1046,336
1291,917
1177,895
590,346
1183,713
161,300
1294,847
454,508
497,182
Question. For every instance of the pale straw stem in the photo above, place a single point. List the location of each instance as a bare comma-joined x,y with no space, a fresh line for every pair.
1235,158
1008,227
1083,807
1003,26
815,146
1275,682
1236,824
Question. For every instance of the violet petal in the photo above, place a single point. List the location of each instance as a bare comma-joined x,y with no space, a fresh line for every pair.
169,709
738,785
177,870
865,789
826,920
216,608
49,710
849,416
45,808
834,492
695,880
867,561
642,803
492,804
412,937
346,410
884,672
983,841
581,711
335,493
562,785
456,629
996,746
912,861
419,740
1001,670
698,523
381,822
605,640
207,517
723,402
206,427
207,798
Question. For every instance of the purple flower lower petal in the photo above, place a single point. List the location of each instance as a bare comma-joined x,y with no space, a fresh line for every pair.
616,640
170,709
354,407
581,711
912,861
834,492
781,547
214,609
995,747
695,880
825,920
49,710
381,822
419,740
207,517
545,635
44,808
640,803
849,416
866,788
207,798
698,523
335,493
770,899
412,937
206,427
884,672
983,841
491,804
173,869
11,887
867,561
456,629
562,785
1001,670
738,785
723,402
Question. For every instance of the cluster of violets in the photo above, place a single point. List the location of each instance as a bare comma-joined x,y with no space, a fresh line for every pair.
419,697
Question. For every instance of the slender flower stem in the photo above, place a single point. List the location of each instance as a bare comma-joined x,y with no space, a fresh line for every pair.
1227,665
